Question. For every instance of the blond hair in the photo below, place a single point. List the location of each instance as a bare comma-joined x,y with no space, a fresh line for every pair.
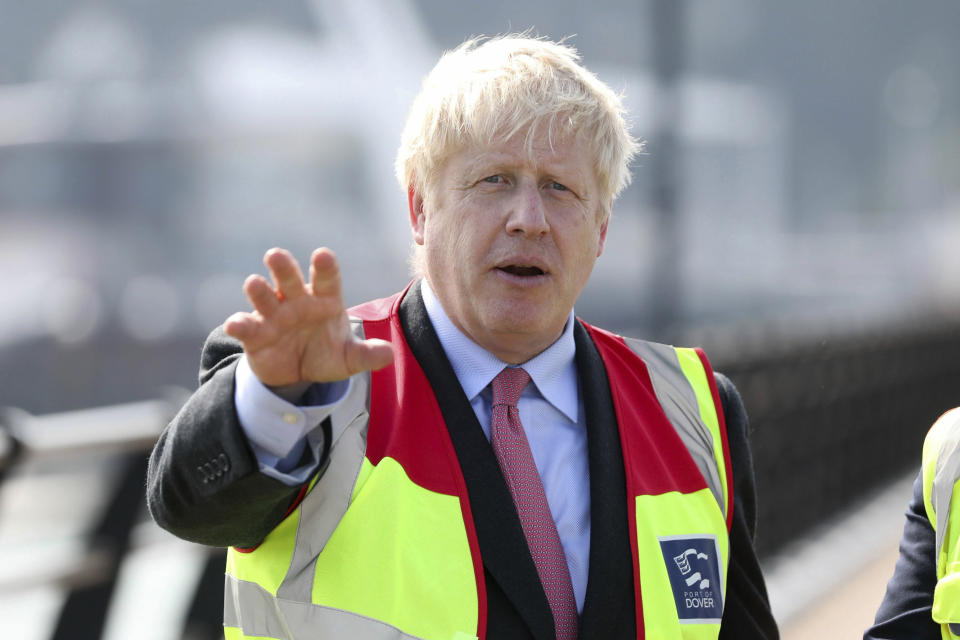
491,89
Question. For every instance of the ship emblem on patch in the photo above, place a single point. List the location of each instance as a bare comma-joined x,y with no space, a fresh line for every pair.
693,564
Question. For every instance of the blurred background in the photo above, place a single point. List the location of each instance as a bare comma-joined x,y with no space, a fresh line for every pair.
795,213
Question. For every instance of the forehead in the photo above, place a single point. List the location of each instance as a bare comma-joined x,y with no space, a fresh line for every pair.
566,152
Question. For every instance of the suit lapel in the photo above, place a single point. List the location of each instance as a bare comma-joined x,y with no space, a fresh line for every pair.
608,609
499,534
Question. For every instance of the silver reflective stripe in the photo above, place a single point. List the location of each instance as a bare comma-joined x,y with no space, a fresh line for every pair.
262,615
325,623
247,606
329,499
231,613
946,475
679,402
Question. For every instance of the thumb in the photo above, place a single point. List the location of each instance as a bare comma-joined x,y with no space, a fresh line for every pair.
368,355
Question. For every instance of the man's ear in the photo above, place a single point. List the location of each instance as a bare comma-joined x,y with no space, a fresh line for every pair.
603,236
415,202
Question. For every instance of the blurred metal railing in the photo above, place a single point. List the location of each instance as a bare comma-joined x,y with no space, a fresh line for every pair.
117,429
835,417
120,437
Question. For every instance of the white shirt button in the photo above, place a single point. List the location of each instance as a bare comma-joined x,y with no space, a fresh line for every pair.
291,418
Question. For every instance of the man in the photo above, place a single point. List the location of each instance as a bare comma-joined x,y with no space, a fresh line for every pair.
922,600
391,472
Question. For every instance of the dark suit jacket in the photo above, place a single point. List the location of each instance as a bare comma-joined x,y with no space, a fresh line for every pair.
905,612
236,505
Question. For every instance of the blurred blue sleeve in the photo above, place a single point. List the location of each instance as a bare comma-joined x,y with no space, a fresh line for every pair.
905,611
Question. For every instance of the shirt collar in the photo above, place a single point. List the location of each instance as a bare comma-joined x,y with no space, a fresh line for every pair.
553,370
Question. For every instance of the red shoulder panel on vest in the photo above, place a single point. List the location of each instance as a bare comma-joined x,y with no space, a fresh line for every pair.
379,309
655,457
405,420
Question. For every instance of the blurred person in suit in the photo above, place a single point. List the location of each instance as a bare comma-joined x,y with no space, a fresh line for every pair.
467,458
922,601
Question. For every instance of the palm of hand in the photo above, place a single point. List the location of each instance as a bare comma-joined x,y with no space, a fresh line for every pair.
300,332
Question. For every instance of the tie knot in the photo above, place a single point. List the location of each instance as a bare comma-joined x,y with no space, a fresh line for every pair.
508,385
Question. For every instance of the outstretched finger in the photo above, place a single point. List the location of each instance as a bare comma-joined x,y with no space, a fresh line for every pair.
325,273
261,295
285,272
242,326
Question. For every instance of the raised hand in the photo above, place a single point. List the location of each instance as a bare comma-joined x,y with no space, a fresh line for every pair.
299,332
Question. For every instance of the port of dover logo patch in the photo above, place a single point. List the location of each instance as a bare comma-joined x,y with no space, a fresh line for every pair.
693,563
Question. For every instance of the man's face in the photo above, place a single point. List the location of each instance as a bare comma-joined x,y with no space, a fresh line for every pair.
510,240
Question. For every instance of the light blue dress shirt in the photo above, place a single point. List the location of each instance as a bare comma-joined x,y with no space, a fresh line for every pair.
550,409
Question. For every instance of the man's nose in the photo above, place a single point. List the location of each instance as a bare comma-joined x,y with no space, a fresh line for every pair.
527,215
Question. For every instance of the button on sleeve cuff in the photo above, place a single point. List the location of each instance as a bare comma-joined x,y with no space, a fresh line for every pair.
275,426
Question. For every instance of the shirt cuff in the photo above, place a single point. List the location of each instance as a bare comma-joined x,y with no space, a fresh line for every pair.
275,426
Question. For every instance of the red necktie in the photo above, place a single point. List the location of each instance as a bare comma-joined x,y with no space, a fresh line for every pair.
519,470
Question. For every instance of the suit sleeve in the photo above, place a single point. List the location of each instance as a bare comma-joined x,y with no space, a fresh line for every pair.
905,611
203,481
746,614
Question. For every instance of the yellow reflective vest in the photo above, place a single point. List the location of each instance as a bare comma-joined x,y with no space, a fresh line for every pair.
382,543
941,472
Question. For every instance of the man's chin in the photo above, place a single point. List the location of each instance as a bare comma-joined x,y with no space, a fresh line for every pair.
524,326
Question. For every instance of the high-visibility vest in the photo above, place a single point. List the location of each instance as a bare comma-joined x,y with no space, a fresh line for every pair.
382,544
941,471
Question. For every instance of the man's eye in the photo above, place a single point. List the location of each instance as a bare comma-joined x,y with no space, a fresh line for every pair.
493,179
559,187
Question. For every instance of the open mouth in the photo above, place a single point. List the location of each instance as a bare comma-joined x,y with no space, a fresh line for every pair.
522,270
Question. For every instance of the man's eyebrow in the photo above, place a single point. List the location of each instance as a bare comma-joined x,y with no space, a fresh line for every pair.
484,162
